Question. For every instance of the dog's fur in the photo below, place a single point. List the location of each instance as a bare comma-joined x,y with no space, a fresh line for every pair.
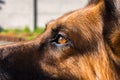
91,50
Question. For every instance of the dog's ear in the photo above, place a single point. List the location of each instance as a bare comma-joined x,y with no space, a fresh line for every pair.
111,23
114,41
96,4
110,14
111,28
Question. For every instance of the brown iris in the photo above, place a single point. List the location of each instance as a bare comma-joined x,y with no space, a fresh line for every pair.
62,40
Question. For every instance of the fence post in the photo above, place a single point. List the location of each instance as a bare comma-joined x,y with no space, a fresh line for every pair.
35,14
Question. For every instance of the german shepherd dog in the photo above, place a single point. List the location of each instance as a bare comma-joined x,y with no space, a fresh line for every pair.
81,45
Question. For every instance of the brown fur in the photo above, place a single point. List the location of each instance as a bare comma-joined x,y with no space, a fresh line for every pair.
91,52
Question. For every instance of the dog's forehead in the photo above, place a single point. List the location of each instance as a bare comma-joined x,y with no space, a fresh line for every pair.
85,17
69,17
64,20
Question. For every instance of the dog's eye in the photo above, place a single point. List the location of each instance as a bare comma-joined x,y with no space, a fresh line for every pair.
61,40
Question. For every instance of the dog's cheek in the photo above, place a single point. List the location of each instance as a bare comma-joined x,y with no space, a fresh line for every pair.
55,64
59,71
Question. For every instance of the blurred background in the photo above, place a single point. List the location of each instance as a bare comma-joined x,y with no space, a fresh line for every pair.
27,18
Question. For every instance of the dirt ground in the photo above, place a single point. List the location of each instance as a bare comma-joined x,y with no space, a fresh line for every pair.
11,38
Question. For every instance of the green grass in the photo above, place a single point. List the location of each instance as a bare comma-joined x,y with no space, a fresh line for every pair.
24,33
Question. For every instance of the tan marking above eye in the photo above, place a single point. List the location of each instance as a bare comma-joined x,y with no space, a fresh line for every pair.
62,40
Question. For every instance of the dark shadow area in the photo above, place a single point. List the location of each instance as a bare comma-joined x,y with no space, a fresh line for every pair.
1,3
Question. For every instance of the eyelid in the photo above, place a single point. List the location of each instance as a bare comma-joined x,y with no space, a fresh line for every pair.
62,34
